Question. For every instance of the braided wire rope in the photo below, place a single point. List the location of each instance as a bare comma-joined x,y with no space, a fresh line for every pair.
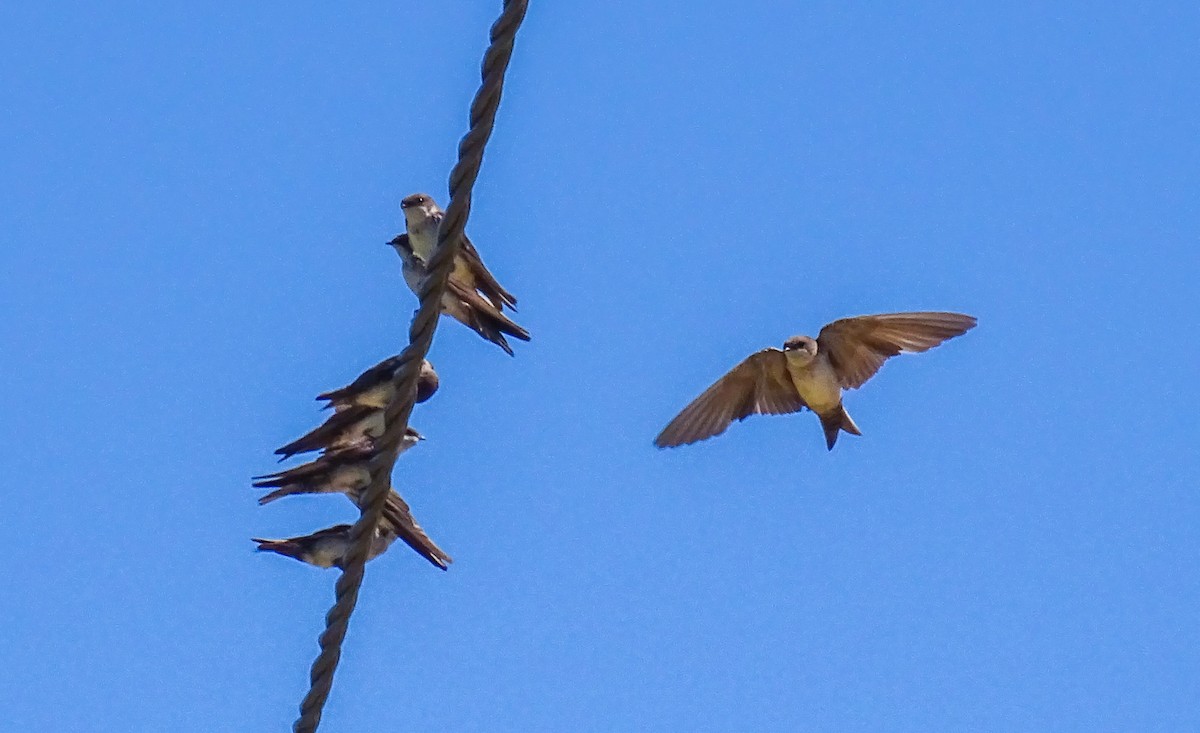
450,235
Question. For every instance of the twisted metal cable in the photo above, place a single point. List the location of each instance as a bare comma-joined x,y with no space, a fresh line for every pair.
450,234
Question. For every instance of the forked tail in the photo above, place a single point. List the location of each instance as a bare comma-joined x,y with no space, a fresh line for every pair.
835,421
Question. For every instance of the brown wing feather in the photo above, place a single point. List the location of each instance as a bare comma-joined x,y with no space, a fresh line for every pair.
758,385
484,281
374,377
327,434
485,310
398,519
857,347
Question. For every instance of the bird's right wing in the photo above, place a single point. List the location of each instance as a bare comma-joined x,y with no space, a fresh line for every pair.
759,385
857,347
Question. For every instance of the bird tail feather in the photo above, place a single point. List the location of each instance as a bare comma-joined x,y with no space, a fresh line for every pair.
277,494
837,420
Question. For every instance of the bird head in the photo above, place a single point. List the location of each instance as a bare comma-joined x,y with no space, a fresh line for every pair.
427,381
418,207
800,348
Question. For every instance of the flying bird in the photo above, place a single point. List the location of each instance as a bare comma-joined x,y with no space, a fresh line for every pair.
422,217
460,301
325,548
375,387
811,373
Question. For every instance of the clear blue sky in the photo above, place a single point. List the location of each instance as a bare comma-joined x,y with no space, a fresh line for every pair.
195,205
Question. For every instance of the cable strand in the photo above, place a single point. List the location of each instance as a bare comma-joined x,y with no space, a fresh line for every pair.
450,233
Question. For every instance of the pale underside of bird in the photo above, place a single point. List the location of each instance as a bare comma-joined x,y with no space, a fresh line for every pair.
811,373
376,386
325,548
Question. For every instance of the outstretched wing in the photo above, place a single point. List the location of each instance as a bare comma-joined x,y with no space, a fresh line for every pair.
758,385
857,347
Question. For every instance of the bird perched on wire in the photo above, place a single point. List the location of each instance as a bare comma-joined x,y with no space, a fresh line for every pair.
325,548
335,472
376,388
340,471
422,217
811,373
353,427
460,302
473,295
396,522
348,471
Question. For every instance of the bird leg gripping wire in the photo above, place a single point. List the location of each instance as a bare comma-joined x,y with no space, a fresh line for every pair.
450,234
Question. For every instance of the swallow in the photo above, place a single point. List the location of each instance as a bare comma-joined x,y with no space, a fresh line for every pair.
375,387
325,548
341,471
422,217
336,472
462,303
811,373
350,475
354,427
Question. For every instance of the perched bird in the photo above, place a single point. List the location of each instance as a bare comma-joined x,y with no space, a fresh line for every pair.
325,548
356,426
375,388
460,301
336,472
339,471
348,471
422,217
811,373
